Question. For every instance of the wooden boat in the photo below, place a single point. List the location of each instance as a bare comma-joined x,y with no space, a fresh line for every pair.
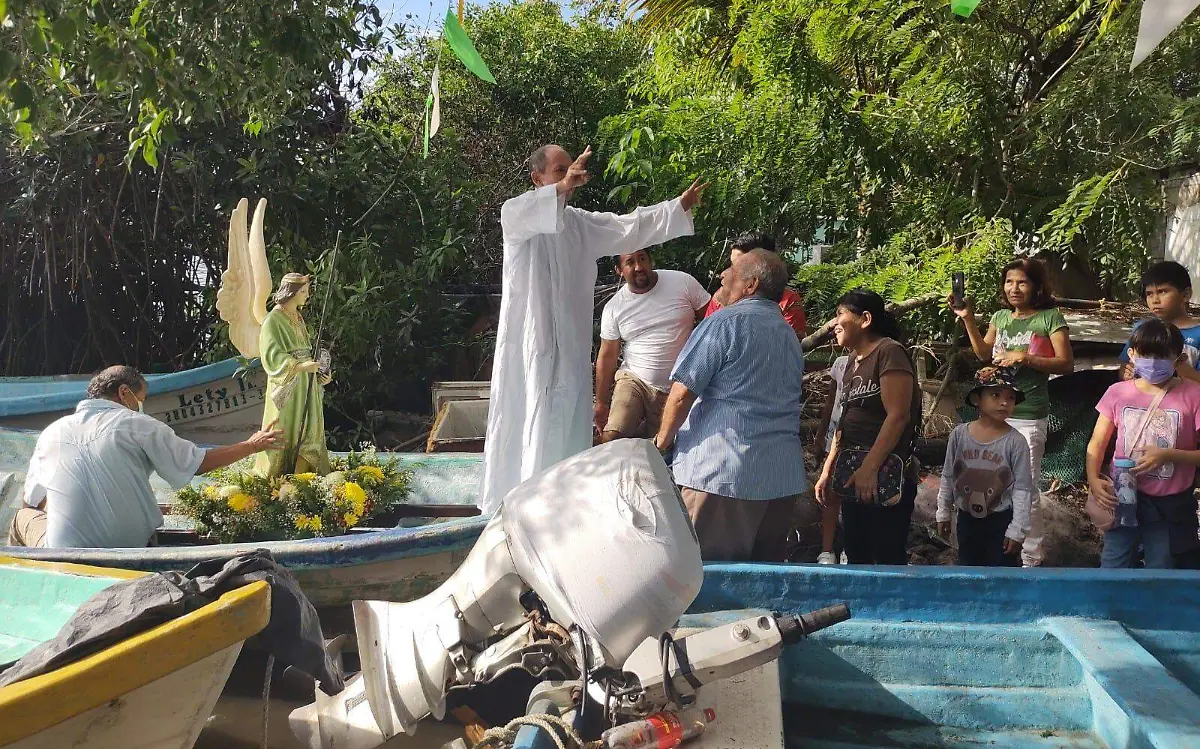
435,531
153,690
208,404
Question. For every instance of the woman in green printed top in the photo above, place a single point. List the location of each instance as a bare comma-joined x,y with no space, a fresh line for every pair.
1032,336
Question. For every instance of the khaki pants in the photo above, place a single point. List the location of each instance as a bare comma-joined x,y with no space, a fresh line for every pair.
636,409
28,528
739,530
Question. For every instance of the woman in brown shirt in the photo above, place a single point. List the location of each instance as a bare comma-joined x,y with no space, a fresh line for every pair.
881,409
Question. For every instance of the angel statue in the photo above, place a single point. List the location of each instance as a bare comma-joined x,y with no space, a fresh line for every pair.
295,378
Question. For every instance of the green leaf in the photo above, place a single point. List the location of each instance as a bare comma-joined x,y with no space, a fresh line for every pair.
3,9
8,61
137,13
21,95
63,30
150,153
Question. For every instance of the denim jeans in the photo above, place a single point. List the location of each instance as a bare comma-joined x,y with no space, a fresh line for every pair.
1120,544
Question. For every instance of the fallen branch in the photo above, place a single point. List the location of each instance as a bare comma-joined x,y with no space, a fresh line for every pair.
897,308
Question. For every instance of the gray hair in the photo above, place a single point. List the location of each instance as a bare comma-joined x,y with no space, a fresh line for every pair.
109,381
769,269
540,158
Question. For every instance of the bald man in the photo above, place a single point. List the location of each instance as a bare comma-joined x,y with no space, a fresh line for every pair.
541,394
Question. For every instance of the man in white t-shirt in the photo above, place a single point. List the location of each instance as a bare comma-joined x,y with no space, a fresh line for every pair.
645,325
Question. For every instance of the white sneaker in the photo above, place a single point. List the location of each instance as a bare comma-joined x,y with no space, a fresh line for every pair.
827,557
845,559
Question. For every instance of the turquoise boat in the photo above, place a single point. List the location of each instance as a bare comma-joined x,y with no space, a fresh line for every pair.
438,527
150,690
963,658
976,657
212,405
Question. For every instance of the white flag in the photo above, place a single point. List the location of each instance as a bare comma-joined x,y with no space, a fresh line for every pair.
1159,18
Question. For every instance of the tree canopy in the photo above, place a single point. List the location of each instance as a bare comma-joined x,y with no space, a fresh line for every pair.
914,142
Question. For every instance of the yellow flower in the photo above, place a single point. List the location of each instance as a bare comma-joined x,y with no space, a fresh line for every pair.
241,502
210,491
305,476
308,522
351,519
374,473
355,494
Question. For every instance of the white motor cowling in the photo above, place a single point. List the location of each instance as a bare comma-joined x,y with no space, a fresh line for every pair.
602,538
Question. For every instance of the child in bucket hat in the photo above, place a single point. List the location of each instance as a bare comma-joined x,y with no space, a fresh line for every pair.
987,477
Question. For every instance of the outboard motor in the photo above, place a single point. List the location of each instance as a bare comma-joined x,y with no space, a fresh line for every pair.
589,558
573,584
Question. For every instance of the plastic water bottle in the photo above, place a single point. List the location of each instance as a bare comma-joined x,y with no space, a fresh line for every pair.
1126,486
659,731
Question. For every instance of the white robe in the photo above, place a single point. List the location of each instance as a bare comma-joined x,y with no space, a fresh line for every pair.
541,394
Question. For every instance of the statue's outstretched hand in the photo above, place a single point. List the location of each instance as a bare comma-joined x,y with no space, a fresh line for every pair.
310,367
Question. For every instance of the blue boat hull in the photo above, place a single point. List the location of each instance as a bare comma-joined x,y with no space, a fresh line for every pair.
213,404
963,657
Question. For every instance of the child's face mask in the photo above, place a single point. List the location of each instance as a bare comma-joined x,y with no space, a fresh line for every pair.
1153,370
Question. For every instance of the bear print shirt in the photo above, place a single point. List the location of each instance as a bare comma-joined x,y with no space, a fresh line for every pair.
985,477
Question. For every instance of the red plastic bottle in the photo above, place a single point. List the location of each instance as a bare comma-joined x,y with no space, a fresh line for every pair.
664,730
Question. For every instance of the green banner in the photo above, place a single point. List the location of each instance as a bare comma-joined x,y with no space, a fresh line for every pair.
963,8
464,49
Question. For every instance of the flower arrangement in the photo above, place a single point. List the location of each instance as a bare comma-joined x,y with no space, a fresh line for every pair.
242,506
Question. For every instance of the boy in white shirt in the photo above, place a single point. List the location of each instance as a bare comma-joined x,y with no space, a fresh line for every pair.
645,325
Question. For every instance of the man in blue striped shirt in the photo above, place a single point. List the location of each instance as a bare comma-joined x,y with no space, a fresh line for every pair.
733,416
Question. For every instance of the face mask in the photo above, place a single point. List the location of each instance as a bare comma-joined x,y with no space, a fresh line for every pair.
1154,371
141,405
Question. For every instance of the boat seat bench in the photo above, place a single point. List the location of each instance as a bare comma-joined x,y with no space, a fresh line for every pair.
1136,702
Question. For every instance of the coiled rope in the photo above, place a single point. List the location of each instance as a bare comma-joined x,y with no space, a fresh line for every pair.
564,736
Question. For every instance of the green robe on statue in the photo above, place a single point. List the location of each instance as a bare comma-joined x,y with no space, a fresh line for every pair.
292,397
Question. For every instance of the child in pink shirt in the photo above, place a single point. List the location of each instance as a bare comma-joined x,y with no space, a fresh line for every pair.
1166,453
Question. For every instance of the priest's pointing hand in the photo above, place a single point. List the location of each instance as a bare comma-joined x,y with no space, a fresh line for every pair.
577,173
691,196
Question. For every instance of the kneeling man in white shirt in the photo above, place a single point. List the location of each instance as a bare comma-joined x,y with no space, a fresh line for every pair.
88,484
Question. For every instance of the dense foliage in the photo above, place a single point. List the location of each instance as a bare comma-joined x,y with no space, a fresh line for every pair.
915,142
911,128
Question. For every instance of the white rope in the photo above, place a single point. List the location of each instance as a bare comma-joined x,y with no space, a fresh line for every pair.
506,736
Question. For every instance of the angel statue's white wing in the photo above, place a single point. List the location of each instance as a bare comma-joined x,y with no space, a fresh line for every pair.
246,282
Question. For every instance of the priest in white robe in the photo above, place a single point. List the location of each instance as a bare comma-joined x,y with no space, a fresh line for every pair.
541,393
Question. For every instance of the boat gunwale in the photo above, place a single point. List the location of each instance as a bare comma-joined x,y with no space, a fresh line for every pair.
326,551
49,699
158,384
1146,599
